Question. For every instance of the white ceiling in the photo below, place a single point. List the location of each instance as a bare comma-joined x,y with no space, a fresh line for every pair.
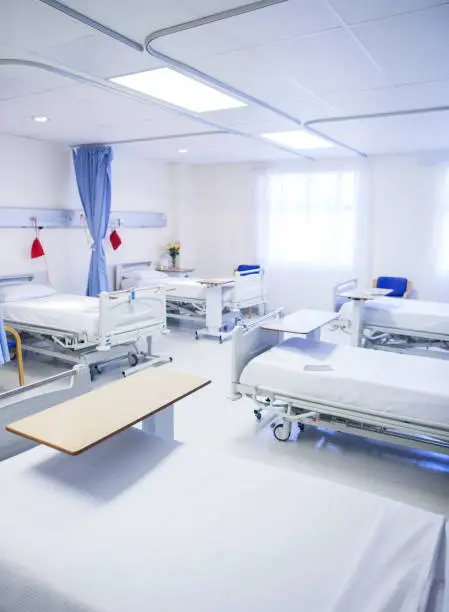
312,59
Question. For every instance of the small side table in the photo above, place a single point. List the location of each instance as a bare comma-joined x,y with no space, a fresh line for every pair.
177,271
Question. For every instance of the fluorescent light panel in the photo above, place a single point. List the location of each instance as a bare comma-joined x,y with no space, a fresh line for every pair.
176,88
298,139
40,119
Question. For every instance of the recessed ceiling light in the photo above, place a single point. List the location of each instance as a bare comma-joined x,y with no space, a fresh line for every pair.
298,139
183,151
176,88
40,119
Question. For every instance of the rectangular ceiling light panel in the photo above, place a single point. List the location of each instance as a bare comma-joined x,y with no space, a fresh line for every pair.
176,88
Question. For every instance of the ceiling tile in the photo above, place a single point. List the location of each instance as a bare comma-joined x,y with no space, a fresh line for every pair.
84,114
324,63
209,7
394,134
30,24
357,11
214,38
19,81
134,18
208,150
402,97
411,47
287,20
98,55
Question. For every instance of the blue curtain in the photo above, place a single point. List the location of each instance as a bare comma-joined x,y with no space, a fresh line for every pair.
4,352
93,176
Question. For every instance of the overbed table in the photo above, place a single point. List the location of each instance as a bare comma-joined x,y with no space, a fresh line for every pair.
214,307
305,322
78,424
359,297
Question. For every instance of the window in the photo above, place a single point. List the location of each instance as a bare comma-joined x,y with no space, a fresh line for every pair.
312,218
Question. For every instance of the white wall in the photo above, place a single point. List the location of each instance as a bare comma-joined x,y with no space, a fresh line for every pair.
217,219
37,174
216,223
406,209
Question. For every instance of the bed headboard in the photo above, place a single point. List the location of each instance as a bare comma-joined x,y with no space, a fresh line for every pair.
16,279
121,268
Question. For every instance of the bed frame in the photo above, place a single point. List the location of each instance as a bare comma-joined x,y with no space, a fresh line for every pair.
111,342
219,315
251,340
390,338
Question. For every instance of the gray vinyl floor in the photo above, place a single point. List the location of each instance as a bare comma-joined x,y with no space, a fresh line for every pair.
210,420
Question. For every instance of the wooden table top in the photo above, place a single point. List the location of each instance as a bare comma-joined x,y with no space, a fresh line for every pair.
302,321
81,422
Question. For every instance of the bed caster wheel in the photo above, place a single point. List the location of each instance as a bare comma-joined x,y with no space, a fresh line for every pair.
197,336
220,339
258,415
170,359
282,431
301,426
133,359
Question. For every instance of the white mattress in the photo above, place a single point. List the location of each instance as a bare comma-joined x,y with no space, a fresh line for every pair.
136,524
71,313
378,381
411,315
187,288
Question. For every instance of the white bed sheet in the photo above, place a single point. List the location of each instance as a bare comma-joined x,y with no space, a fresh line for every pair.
383,382
187,288
144,525
413,315
72,313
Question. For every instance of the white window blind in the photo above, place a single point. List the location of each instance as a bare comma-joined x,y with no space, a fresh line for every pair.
312,218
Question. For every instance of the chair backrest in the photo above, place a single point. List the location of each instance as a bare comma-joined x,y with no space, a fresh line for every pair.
245,270
396,284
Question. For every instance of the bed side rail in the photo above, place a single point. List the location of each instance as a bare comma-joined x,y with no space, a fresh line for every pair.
24,401
248,341
341,287
249,286
115,305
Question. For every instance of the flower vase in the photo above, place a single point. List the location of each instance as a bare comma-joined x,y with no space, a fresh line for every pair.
173,261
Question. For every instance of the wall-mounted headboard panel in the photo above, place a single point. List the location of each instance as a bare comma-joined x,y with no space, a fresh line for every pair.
64,218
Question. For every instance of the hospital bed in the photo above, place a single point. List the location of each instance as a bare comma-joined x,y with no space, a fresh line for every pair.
395,324
215,303
79,329
397,398
141,523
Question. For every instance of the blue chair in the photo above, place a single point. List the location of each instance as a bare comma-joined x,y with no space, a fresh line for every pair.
246,270
400,287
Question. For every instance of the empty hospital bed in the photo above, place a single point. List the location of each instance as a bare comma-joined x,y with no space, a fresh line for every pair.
141,523
396,324
79,329
215,303
397,398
